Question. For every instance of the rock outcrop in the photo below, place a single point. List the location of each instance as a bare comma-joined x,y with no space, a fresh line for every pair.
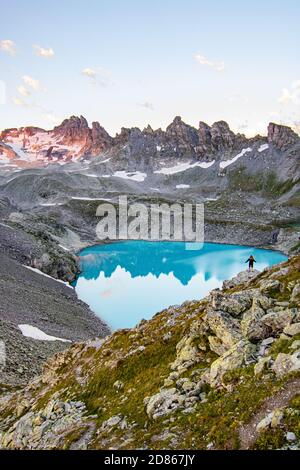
76,132
282,137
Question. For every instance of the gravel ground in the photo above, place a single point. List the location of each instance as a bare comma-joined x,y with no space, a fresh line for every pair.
30,298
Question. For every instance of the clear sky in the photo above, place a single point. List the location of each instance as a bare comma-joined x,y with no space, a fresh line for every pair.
134,62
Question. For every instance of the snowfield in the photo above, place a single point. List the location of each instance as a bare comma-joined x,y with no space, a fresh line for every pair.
263,147
133,176
183,167
16,148
35,270
83,198
51,204
35,333
234,159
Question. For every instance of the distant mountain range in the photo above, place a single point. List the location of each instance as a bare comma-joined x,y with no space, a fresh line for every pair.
74,140
51,182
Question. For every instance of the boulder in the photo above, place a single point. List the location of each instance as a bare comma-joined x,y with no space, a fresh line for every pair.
296,292
251,325
163,403
272,420
276,321
235,304
267,286
111,422
286,363
279,273
241,278
263,364
291,436
216,345
265,346
187,353
265,302
292,330
295,344
226,328
239,355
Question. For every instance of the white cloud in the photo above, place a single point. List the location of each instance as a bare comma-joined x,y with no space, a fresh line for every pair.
32,83
286,96
89,72
146,105
7,45
291,95
42,52
23,91
50,117
20,102
97,76
202,60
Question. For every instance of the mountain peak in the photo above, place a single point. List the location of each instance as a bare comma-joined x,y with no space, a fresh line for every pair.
74,122
281,136
177,120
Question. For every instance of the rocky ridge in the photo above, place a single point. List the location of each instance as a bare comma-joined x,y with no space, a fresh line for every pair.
73,140
192,377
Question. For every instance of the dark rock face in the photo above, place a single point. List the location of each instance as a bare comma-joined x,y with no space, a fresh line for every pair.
182,133
217,138
183,141
72,129
100,139
282,137
75,130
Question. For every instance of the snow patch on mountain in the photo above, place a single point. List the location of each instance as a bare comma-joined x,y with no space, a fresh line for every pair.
16,148
35,333
83,198
183,167
226,163
263,147
133,176
35,270
51,204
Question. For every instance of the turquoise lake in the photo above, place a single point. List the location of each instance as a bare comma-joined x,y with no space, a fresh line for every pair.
127,281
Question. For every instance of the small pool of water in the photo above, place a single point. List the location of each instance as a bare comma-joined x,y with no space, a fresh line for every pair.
125,282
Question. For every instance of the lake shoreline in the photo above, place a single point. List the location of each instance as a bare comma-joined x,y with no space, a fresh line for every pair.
131,280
